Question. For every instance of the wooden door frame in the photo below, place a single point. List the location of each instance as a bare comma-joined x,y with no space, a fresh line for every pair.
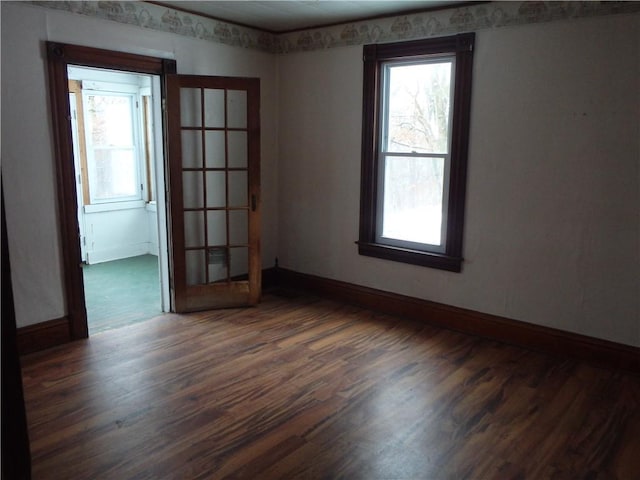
59,57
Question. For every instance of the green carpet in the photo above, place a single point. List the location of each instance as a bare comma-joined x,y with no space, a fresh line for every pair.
121,292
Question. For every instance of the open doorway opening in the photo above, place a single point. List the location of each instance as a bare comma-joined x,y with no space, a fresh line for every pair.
117,153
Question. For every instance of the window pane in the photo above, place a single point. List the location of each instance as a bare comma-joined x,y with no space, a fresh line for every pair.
239,261
115,173
215,149
190,108
110,120
236,109
192,192
238,227
193,229
217,264
238,145
418,107
413,199
238,189
195,263
191,149
214,108
216,190
217,227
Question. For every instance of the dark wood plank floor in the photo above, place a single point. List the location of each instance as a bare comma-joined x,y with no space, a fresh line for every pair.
300,387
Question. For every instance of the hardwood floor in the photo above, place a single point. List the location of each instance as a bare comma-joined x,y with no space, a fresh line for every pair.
300,387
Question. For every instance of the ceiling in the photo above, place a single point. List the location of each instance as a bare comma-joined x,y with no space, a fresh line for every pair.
281,16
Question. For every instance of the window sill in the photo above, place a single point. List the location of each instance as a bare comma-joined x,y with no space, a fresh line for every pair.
413,257
110,206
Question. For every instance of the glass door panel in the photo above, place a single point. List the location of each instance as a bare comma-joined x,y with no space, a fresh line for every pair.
216,228
215,148
239,261
195,262
216,250
214,108
238,193
191,148
216,189
190,110
193,229
237,142
238,227
193,193
236,109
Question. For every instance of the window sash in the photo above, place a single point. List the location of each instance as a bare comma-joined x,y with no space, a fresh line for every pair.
380,207
131,167
385,153
385,97
132,146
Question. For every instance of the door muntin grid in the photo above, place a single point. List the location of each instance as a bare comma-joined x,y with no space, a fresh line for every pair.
215,176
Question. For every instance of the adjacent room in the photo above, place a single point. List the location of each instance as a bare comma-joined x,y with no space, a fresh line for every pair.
114,166
363,239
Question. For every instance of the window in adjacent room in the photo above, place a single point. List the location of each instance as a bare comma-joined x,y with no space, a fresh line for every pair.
414,150
113,131
112,147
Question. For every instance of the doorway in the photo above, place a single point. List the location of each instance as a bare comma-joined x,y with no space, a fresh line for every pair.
59,58
212,222
118,171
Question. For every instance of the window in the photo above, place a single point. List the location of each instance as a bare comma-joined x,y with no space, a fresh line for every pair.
111,147
112,125
415,134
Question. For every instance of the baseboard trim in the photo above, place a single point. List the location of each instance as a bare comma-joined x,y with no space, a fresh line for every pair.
41,336
33,338
269,278
118,253
527,335
51,333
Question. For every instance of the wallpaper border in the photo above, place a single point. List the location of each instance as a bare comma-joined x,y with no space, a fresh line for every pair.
403,27
163,19
447,22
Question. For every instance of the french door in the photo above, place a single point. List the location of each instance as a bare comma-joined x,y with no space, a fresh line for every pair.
214,174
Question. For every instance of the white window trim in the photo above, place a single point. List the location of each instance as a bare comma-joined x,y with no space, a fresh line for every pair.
116,89
112,206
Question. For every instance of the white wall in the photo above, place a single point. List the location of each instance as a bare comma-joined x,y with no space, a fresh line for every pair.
27,158
118,233
552,231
